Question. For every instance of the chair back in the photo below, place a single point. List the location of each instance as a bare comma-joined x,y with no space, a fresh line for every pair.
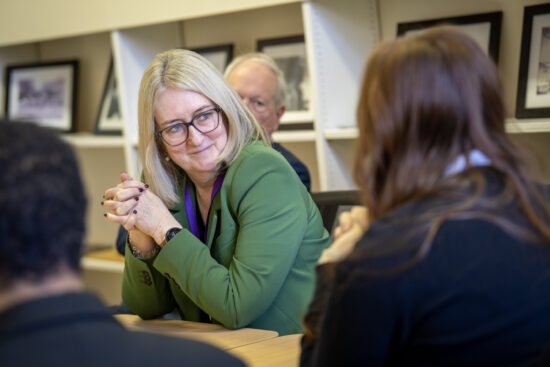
332,203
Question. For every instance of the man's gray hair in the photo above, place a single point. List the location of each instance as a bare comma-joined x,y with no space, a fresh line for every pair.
270,64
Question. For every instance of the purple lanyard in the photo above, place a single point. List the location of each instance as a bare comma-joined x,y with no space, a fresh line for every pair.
191,217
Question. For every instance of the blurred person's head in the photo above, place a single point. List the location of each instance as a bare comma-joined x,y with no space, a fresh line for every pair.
179,86
261,84
426,99
42,221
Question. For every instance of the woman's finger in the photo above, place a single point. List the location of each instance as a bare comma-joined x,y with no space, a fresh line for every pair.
125,177
126,207
128,194
355,220
361,216
111,205
345,222
132,184
110,193
120,219
337,232
130,222
127,221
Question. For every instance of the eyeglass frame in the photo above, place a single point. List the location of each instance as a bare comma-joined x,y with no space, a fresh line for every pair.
188,125
254,101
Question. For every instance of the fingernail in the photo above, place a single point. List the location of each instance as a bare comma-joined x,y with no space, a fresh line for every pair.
140,189
136,198
135,211
146,186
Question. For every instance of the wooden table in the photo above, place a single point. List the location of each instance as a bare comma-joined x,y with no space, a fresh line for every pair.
209,333
283,351
256,347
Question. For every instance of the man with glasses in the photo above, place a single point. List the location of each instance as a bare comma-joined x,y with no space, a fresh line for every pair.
261,84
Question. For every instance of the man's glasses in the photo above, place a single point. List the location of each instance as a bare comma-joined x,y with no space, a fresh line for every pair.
255,104
178,132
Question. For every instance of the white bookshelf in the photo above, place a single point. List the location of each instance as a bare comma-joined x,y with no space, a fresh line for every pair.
89,140
525,126
344,133
339,36
294,136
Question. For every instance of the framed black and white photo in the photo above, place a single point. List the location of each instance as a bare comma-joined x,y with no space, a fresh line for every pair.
44,93
484,28
290,55
220,55
533,97
109,118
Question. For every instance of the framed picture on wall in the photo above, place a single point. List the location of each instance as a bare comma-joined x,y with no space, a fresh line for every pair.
533,96
220,55
290,55
44,93
109,118
484,28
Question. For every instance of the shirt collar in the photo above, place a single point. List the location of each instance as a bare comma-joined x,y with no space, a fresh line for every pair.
475,157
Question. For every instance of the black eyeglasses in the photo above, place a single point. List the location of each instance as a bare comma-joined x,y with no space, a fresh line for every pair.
178,132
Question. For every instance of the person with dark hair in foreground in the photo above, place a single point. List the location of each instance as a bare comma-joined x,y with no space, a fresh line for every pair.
46,318
454,268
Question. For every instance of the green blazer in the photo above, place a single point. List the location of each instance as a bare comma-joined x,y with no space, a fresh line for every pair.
257,269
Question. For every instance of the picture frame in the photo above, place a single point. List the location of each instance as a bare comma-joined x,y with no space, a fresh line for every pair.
220,55
290,55
44,93
485,28
109,119
533,94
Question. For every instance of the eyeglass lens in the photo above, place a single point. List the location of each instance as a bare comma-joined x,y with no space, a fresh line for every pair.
178,132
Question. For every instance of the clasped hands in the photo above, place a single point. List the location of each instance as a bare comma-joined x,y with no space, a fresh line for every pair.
140,211
351,226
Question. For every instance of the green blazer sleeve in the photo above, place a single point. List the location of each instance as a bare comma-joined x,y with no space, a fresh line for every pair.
142,281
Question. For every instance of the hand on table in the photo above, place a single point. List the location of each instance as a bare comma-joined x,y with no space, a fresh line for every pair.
351,227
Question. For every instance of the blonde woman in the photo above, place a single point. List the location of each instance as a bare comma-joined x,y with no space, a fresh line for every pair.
220,227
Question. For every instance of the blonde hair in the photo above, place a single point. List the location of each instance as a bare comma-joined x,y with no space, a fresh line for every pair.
187,70
268,62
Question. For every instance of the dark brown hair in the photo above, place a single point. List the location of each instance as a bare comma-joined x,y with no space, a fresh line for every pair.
425,100
43,204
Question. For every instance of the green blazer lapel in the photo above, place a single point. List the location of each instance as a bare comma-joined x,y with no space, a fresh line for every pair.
213,221
178,211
